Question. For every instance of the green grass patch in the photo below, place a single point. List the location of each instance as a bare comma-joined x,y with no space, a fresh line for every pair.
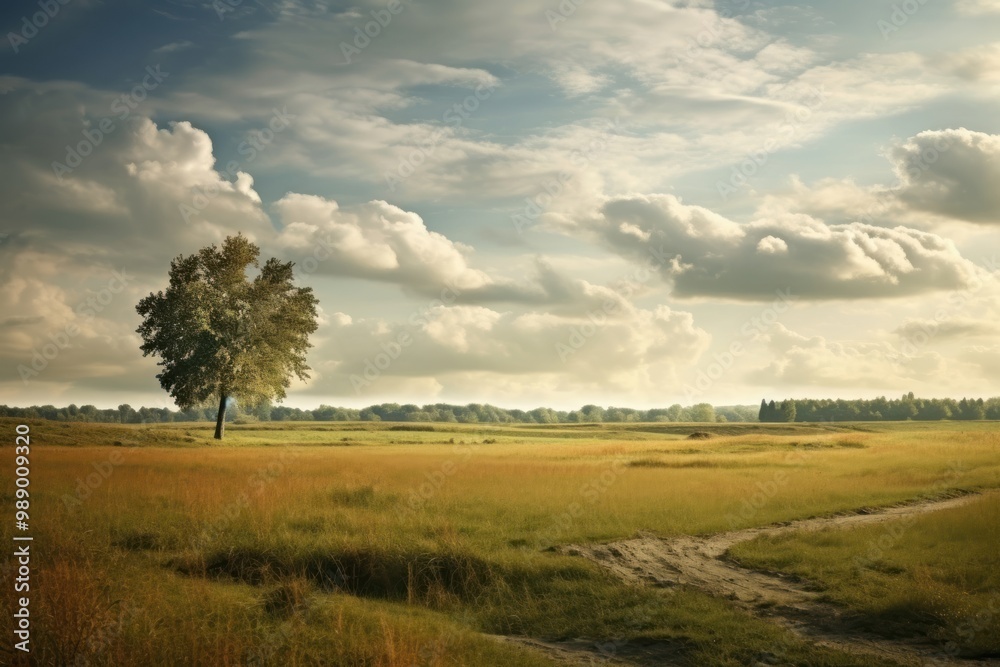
935,575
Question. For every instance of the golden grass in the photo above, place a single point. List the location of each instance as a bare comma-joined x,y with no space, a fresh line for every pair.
398,554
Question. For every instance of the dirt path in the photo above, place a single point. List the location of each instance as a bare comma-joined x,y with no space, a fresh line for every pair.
698,562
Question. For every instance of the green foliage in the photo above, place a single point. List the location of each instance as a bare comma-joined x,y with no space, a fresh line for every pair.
217,333
774,412
703,412
880,409
804,410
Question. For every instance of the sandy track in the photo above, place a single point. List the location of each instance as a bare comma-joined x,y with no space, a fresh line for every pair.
698,562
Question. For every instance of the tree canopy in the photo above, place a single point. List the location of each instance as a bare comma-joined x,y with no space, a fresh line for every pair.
220,334
879,409
904,408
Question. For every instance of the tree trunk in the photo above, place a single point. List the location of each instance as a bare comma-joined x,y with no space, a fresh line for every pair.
220,423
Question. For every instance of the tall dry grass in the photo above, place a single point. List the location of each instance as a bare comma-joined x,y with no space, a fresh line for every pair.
401,548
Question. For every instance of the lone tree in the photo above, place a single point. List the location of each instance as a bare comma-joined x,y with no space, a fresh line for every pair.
218,333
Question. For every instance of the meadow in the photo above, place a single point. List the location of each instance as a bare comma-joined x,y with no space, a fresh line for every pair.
387,545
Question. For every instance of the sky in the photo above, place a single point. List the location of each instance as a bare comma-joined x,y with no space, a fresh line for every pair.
527,203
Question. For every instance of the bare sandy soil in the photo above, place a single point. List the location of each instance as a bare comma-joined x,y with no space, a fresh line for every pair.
700,562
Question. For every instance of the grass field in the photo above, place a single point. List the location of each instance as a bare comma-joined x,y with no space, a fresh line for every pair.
940,572
380,544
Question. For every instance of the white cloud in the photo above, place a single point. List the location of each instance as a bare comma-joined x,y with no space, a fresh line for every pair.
941,177
576,80
953,173
376,240
711,256
772,245
639,350
979,63
689,89
978,7
815,361
717,76
379,241
958,328
782,57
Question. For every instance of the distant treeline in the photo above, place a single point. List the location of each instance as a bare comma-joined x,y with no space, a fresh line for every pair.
439,412
802,410
879,409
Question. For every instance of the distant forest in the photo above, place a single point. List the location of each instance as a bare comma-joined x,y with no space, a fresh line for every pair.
472,413
879,409
802,410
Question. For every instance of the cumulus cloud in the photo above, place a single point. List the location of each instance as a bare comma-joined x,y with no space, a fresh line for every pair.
58,334
941,176
816,361
689,89
121,198
147,193
772,245
953,173
638,350
717,74
379,241
978,7
979,63
375,240
123,208
707,255
959,328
